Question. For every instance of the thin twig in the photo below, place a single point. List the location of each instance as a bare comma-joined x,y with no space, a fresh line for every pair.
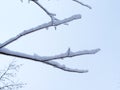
11,86
51,15
83,4
8,68
6,82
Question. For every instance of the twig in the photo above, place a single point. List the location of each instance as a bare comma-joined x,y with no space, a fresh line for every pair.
6,82
83,4
11,86
51,15
64,68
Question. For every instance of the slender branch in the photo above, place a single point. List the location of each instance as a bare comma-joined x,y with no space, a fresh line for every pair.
44,9
83,4
67,54
11,86
38,58
48,60
6,82
3,74
37,28
7,72
64,68
51,15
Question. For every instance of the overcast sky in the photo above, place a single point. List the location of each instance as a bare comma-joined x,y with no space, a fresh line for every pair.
98,28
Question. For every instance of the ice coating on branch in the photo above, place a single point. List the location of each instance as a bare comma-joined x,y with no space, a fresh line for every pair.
40,27
63,67
49,59
83,4
37,57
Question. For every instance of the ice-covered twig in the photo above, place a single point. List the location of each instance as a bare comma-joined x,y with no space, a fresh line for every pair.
63,67
38,58
6,74
67,54
6,77
83,4
11,86
48,60
51,15
43,26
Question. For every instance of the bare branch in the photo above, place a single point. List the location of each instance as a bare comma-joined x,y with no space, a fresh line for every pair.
51,15
4,73
6,78
37,28
83,4
11,86
8,72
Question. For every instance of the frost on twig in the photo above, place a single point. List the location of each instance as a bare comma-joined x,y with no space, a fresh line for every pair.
37,28
83,4
7,75
39,58
51,15
67,54
11,86
63,67
48,59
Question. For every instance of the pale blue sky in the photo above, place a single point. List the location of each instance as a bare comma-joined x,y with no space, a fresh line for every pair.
98,28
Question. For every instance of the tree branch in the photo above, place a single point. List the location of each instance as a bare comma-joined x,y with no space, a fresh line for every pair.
38,58
48,59
51,15
37,28
11,86
83,4
6,82
64,68
67,54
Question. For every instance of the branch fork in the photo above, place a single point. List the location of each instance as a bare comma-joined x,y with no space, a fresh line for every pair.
48,59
